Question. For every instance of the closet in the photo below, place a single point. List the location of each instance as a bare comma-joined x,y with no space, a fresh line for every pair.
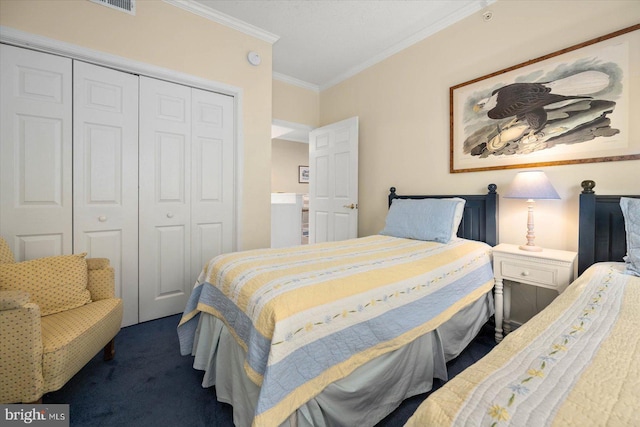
122,166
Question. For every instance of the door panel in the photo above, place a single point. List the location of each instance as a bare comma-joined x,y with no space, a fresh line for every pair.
37,246
105,147
171,260
341,223
333,186
35,152
213,189
165,197
207,242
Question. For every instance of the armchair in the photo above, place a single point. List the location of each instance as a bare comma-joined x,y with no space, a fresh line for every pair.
56,313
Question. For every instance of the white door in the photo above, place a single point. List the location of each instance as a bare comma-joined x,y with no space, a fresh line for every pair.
165,198
333,182
35,153
105,174
212,178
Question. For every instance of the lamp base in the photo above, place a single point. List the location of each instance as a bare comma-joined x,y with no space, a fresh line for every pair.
530,248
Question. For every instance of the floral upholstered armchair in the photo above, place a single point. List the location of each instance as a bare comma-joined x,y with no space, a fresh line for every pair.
56,314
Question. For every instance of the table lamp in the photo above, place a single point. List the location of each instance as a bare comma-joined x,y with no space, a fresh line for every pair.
531,185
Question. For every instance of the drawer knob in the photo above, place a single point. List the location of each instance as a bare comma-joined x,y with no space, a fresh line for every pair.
525,273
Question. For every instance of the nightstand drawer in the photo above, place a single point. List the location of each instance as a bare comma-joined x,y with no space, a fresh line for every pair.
524,272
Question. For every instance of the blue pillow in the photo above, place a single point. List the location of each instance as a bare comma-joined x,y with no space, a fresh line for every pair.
424,219
631,211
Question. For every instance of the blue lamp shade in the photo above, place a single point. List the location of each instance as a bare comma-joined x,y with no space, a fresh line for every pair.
531,185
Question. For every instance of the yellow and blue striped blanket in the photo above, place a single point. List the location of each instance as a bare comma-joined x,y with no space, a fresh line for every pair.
577,363
309,315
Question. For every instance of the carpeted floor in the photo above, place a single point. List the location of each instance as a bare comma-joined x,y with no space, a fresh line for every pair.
150,384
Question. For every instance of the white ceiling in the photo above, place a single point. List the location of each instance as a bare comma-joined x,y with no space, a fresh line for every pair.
319,43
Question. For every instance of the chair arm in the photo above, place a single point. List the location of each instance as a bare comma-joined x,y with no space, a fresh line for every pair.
20,349
10,300
101,283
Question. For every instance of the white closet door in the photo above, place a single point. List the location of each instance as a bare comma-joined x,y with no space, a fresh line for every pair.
105,187
165,198
35,152
212,171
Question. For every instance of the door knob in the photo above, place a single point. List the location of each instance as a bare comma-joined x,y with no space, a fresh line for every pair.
102,218
169,215
351,206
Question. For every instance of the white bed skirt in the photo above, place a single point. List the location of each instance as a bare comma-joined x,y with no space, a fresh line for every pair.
363,398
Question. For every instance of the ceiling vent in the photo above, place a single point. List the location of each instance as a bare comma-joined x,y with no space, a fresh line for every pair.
128,6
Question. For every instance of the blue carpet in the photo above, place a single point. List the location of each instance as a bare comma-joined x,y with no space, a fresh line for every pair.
149,383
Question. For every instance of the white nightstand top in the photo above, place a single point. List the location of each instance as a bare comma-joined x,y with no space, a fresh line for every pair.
551,254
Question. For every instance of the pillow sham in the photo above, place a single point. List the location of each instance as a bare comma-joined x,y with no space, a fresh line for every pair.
631,212
424,219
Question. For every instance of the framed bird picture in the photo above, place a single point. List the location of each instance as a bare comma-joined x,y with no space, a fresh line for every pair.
570,106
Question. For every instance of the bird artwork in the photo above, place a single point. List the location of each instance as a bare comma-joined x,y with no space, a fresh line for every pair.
527,115
527,101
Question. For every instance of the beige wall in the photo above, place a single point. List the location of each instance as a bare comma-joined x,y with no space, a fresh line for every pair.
166,36
286,156
403,106
295,104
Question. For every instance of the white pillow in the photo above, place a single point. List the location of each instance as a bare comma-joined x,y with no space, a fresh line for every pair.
424,219
457,217
631,212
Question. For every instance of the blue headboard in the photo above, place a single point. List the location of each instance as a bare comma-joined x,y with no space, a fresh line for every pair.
602,235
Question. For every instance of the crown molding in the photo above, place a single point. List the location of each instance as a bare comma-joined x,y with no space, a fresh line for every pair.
296,82
224,19
44,44
409,41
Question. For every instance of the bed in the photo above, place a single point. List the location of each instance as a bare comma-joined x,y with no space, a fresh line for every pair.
578,361
340,333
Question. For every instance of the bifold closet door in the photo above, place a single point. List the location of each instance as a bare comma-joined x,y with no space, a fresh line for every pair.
165,198
105,174
35,152
187,190
212,178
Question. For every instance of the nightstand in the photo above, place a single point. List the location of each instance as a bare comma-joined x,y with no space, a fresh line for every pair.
550,268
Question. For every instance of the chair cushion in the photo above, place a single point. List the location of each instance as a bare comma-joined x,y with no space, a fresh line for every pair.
71,338
55,283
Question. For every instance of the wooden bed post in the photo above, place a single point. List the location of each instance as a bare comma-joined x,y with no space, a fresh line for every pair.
392,195
492,215
587,226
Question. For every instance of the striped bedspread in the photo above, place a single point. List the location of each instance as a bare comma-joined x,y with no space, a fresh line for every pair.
310,315
577,363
